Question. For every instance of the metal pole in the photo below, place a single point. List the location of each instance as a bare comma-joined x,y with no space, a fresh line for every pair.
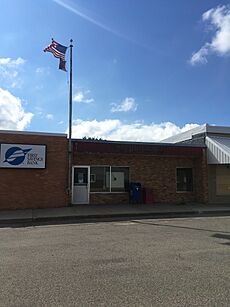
70,128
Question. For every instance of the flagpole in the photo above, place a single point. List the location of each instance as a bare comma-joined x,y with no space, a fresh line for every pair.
70,127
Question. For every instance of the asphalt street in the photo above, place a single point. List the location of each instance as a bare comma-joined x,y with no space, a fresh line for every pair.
176,262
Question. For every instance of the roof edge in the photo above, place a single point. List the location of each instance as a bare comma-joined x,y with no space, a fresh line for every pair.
186,135
137,143
32,133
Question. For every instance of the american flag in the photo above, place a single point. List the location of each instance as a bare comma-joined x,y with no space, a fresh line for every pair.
58,51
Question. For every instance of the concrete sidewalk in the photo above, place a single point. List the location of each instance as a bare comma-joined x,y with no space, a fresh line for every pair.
102,212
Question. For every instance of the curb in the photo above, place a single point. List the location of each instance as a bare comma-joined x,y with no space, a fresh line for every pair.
108,217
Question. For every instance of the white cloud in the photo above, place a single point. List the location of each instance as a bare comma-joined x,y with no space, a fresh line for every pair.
12,113
11,63
128,104
82,97
39,70
114,129
200,56
41,113
219,19
42,71
78,97
50,116
9,72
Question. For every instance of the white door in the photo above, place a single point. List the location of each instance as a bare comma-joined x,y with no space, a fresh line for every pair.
81,185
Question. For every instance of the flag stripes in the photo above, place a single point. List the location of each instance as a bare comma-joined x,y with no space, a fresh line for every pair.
58,51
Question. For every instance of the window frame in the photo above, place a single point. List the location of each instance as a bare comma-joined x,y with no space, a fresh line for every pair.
220,174
110,185
125,191
192,181
104,166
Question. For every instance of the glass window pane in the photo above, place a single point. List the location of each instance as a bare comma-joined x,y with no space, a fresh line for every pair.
80,176
184,180
119,179
222,180
99,179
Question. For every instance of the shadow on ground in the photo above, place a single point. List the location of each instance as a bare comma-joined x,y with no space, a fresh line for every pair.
222,236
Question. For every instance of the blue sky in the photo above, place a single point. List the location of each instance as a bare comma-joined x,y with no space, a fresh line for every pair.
142,70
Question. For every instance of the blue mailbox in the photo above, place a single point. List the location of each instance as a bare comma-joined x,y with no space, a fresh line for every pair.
135,192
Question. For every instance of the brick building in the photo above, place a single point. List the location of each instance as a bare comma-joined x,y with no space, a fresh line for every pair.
34,171
33,187
102,171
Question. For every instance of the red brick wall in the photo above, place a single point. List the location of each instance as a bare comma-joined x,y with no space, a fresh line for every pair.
36,188
155,172
201,177
109,198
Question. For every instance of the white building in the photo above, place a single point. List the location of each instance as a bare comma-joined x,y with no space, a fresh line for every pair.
217,141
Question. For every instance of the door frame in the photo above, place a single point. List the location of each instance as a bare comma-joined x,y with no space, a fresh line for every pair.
88,185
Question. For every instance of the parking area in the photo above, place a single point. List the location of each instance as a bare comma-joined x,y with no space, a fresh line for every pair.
174,262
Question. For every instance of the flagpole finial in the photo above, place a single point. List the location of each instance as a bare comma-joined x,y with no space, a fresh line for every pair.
71,42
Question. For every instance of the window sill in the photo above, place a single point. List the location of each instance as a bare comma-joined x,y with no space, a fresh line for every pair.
183,192
108,192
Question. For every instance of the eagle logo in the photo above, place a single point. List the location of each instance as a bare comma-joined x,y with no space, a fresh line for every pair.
16,155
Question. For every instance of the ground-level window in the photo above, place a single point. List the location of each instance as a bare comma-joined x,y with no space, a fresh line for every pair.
184,179
99,179
109,179
119,179
223,180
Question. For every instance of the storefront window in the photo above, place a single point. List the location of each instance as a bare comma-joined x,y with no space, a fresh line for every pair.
184,180
109,179
99,179
119,179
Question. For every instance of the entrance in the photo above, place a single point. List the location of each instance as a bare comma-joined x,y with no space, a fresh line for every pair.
80,185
